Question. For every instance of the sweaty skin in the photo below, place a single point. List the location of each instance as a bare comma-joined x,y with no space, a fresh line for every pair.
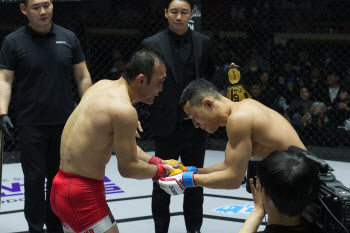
253,130
105,121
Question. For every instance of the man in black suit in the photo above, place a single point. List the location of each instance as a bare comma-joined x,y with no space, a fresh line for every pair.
187,55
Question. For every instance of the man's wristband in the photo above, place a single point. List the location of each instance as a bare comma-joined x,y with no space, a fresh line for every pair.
192,169
188,179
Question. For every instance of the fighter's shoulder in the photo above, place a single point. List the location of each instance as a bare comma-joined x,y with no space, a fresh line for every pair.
241,116
123,112
243,109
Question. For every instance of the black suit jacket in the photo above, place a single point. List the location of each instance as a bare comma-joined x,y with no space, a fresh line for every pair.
165,109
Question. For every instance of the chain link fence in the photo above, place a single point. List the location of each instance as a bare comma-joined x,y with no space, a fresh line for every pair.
290,52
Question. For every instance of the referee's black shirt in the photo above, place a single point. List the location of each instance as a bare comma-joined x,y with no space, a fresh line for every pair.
42,65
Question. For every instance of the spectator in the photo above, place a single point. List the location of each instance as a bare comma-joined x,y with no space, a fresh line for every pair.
303,65
333,87
43,56
266,83
286,183
252,69
287,81
340,108
300,106
316,129
258,94
118,64
188,56
316,83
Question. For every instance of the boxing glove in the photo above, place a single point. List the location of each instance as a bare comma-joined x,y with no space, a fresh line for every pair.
176,184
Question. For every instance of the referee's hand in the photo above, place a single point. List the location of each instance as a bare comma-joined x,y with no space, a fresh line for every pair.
5,123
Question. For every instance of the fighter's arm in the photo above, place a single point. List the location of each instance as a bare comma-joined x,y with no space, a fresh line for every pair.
214,168
6,80
82,77
125,148
143,155
237,154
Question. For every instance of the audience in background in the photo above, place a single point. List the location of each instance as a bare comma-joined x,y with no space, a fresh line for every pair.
315,128
300,106
118,63
333,87
316,82
287,81
339,111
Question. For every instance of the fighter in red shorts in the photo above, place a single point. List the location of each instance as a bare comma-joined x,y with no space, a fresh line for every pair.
105,121
80,203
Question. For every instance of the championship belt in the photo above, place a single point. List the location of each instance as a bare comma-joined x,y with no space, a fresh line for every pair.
236,88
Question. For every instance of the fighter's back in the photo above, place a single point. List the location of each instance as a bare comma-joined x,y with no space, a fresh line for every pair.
87,139
270,130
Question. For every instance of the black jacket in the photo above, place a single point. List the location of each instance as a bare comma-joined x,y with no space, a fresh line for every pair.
165,109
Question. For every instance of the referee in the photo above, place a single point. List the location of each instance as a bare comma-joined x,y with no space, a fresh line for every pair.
41,56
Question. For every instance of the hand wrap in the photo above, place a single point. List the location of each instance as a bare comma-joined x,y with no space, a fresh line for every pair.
162,172
154,160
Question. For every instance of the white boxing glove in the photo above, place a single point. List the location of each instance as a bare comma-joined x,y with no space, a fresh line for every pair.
176,185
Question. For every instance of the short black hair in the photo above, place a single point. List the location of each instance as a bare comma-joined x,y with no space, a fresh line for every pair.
167,3
25,2
290,180
142,62
196,91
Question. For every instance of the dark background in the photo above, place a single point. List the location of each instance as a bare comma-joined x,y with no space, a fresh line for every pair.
270,32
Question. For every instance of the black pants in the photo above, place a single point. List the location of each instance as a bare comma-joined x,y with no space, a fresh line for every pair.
40,159
189,143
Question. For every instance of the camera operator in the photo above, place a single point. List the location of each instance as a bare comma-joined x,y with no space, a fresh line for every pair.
286,184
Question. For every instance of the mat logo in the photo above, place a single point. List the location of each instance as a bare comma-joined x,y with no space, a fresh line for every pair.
15,187
110,187
235,209
12,188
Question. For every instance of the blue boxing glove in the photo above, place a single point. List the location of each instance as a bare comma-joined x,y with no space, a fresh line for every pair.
175,185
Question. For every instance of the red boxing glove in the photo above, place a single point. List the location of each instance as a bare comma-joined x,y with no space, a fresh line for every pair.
155,160
162,172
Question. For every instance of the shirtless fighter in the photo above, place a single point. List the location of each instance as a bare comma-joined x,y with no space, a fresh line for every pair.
105,121
253,130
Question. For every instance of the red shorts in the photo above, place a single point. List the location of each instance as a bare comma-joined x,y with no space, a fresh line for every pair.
78,201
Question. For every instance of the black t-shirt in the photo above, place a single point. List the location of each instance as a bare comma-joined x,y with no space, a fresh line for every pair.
282,229
42,66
